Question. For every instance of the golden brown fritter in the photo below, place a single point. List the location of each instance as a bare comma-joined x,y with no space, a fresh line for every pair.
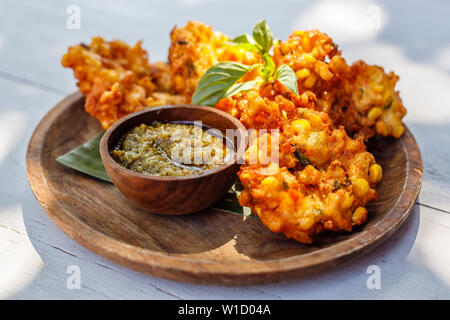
194,49
117,79
160,73
317,62
321,180
362,98
367,102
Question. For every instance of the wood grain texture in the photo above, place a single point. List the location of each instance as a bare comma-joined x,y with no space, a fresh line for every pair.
210,247
175,195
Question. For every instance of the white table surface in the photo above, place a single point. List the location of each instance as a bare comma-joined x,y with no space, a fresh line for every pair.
411,37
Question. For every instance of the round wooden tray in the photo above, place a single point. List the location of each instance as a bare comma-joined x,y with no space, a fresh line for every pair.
210,247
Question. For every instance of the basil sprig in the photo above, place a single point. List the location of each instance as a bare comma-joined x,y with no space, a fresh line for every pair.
221,80
246,42
287,77
261,42
263,35
268,69
283,73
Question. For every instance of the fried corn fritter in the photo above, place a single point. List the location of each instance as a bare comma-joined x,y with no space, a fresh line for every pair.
267,106
194,49
321,180
317,62
367,102
117,79
361,97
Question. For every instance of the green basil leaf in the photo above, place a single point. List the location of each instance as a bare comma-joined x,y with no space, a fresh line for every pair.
86,158
246,42
241,86
263,35
243,38
217,80
287,77
269,67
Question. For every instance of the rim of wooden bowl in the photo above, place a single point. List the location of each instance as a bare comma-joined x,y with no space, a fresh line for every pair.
108,160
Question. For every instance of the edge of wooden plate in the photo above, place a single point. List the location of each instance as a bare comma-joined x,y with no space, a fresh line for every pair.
209,272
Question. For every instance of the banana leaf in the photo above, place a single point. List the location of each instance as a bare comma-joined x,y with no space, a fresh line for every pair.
230,202
86,159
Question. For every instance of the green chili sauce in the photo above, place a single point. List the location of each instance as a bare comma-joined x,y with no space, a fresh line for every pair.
171,149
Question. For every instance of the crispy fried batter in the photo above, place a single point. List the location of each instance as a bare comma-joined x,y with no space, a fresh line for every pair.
348,94
321,180
117,79
257,112
367,103
316,60
194,49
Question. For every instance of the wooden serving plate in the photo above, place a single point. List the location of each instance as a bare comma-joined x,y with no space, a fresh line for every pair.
210,247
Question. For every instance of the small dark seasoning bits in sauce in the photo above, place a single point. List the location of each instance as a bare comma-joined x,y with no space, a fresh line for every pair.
171,149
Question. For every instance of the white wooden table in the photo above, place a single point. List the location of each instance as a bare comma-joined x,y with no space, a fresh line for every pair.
410,38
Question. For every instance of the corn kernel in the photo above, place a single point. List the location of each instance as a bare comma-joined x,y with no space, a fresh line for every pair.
359,216
382,128
310,81
308,58
398,130
374,113
270,182
306,44
377,88
348,201
303,73
271,169
304,99
325,72
301,125
360,187
245,176
114,76
284,48
314,119
375,173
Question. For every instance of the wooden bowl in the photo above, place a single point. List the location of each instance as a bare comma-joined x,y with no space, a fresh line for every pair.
174,195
